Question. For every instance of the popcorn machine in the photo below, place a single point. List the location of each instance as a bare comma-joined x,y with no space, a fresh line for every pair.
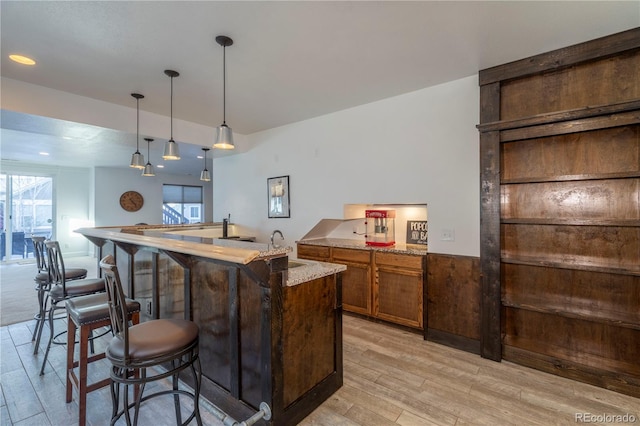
380,227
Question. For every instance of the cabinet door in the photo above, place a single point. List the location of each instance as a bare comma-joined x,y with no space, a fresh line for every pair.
356,287
398,296
356,280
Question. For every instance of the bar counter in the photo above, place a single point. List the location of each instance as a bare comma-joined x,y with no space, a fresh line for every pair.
270,328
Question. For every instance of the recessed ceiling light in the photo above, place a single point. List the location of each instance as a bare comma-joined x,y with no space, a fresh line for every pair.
160,166
22,60
43,153
200,157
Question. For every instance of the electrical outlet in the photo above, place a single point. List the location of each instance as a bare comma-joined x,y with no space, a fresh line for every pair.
148,307
447,235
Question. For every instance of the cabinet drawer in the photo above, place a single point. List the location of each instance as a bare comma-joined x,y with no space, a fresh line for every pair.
315,252
399,260
352,255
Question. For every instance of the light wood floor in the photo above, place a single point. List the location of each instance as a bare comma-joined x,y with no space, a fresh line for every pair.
391,377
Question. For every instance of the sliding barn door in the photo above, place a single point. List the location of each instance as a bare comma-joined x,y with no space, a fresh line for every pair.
560,162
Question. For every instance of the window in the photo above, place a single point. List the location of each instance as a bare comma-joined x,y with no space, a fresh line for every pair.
181,204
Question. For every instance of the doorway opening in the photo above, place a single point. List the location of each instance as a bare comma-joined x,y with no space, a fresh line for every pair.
26,209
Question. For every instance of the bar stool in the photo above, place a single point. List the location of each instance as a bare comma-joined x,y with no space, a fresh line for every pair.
149,344
61,291
88,313
43,284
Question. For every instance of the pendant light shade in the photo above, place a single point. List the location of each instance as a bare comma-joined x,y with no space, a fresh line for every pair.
224,137
137,159
148,168
224,134
205,175
171,151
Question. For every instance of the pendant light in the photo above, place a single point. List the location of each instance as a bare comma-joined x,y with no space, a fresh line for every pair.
224,134
171,151
148,169
205,175
137,159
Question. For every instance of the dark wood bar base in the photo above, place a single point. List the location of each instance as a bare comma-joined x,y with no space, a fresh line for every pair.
260,340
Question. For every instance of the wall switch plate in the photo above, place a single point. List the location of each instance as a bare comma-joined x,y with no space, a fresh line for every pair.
447,235
148,307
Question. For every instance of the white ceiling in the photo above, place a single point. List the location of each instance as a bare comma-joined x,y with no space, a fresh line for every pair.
290,60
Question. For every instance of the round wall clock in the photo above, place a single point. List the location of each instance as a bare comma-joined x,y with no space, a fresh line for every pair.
131,201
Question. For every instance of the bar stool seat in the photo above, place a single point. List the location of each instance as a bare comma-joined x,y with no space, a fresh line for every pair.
153,340
69,274
88,313
76,288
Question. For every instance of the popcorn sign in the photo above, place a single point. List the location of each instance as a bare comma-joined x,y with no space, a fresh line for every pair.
417,232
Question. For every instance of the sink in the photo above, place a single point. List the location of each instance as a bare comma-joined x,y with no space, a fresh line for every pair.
294,264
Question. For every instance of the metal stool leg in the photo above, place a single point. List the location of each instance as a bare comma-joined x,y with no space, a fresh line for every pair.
197,377
51,336
40,316
115,397
176,397
40,324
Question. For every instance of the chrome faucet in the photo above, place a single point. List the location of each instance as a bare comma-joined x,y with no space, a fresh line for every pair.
273,234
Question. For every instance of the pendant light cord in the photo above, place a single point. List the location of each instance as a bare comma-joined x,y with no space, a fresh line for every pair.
224,84
138,125
171,107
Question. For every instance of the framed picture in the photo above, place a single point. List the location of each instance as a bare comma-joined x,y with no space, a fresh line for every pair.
278,196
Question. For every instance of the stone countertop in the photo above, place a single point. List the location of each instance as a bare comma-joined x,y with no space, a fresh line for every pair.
264,250
196,246
417,250
242,252
301,271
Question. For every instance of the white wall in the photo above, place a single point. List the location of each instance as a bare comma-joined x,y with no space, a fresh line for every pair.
110,183
421,147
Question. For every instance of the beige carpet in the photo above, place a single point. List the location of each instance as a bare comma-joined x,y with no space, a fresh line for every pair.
18,298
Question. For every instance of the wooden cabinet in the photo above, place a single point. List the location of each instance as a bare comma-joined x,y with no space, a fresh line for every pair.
560,164
383,285
356,280
399,288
